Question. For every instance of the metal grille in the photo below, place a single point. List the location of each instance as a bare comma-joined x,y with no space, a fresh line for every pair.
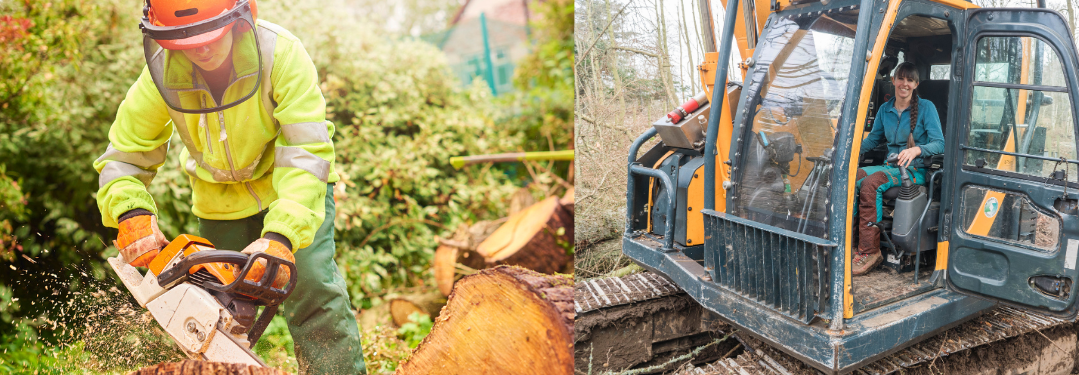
783,270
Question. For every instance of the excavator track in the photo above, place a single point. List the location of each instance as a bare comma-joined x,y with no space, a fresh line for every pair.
605,297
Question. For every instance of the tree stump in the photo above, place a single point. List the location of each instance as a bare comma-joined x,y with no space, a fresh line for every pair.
460,250
193,367
426,304
502,320
530,238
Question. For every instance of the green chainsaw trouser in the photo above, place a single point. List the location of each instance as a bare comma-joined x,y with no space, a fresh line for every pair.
318,312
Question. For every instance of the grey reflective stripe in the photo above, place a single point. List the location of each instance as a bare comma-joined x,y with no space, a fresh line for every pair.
295,157
305,132
146,159
267,44
117,169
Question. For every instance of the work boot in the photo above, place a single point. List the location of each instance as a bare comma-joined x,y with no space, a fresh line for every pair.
863,263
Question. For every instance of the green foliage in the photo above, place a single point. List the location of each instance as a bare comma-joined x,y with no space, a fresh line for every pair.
400,116
418,327
62,75
542,107
383,350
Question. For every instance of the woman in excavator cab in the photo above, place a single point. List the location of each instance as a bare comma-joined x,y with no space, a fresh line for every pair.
910,127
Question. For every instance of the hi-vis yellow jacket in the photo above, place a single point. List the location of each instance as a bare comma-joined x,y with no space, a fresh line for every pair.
272,151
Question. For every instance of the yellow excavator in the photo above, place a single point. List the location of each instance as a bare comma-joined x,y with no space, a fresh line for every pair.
747,201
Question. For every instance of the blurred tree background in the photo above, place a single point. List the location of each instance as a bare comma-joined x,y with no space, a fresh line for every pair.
65,65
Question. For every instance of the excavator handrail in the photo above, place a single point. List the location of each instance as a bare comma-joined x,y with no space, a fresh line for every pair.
634,167
637,143
665,180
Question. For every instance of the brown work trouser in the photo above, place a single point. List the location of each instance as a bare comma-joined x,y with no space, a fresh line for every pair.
868,237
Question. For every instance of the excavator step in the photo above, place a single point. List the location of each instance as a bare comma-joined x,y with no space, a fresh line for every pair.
597,294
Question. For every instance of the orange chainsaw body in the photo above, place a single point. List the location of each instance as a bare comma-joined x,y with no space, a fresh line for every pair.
190,244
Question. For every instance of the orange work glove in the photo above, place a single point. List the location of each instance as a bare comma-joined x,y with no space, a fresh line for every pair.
274,248
140,239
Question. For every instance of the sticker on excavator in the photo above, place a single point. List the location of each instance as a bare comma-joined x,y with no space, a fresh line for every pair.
991,207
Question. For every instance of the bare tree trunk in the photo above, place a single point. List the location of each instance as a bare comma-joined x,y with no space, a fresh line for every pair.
664,59
695,13
597,76
1071,16
613,62
689,48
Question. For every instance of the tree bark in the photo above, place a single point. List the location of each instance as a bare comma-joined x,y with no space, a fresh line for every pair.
503,320
531,238
193,367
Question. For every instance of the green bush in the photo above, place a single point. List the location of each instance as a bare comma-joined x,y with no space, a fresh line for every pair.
400,116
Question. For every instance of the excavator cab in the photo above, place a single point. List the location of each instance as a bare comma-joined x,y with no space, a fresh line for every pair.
747,202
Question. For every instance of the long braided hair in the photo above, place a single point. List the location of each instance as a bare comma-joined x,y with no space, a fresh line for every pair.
907,70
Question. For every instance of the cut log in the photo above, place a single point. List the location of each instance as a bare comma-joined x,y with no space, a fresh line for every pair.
461,250
426,304
502,320
567,201
530,238
194,367
447,256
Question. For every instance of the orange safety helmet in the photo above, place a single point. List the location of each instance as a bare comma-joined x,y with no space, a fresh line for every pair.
172,29
179,13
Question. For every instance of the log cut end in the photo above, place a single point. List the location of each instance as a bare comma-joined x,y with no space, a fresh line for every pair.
447,257
530,238
194,367
428,304
503,320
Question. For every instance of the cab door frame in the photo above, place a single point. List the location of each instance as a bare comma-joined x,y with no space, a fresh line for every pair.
995,269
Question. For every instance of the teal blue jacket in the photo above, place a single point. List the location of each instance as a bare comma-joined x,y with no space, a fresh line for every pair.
892,127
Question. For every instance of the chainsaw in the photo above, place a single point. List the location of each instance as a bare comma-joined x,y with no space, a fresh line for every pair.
202,298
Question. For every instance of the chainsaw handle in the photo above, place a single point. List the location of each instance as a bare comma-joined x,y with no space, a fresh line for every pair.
206,256
263,290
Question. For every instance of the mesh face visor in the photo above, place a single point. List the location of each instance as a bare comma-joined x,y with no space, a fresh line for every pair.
206,66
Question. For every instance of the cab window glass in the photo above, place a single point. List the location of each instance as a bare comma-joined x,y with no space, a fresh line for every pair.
1008,217
1020,105
940,72
797,90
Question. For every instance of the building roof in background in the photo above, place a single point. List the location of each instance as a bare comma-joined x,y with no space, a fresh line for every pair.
516,12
